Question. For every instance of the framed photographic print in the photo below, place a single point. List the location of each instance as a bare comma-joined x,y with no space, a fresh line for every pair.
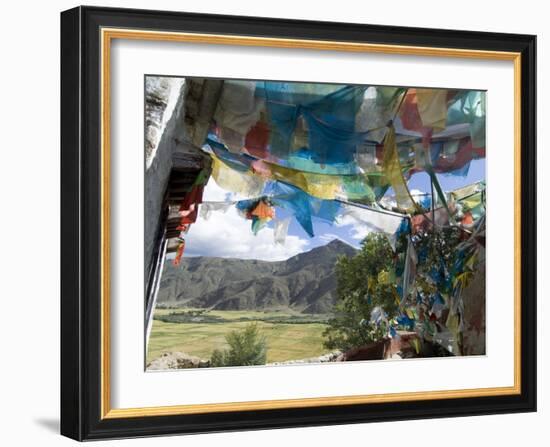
273,223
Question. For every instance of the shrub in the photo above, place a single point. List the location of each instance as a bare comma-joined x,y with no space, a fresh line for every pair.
246,347
217,358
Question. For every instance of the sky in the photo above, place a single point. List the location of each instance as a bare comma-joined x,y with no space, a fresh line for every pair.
227,234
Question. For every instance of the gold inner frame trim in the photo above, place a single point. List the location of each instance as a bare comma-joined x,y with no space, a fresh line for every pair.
107,35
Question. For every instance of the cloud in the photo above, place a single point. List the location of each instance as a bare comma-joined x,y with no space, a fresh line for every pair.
228,235
215,193
360,222
356,229
417,192
328,237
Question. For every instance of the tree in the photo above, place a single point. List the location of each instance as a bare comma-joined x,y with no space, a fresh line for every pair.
365,281
246,347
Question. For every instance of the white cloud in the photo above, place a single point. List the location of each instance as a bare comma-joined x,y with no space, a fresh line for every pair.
363,221
214,193
228,235
417,192
357,230
328,237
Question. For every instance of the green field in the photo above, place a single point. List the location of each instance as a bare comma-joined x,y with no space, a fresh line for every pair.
296,339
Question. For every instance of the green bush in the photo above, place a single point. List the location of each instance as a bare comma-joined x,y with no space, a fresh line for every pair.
217,358
246,347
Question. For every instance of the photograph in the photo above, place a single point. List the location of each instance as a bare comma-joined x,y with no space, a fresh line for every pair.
290,223
272,222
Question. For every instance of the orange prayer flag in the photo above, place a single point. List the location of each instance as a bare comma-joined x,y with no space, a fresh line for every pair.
468,219
263,211
179,253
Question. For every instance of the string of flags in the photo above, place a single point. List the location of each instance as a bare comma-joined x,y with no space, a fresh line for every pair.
464,207
330,153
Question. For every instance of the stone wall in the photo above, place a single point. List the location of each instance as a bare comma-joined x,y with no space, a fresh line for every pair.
177,117
164,126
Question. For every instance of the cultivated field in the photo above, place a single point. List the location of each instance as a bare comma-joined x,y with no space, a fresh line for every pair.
290,336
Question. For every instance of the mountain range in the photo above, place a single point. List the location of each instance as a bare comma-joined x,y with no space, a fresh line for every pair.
304,283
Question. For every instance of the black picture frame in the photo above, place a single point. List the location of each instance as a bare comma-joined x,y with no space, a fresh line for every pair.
81,208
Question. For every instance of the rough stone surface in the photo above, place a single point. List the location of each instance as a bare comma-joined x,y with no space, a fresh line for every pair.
159,146
165,135
161,95
373,351
177,360
325,358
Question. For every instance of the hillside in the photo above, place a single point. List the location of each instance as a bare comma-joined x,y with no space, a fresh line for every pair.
304,283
